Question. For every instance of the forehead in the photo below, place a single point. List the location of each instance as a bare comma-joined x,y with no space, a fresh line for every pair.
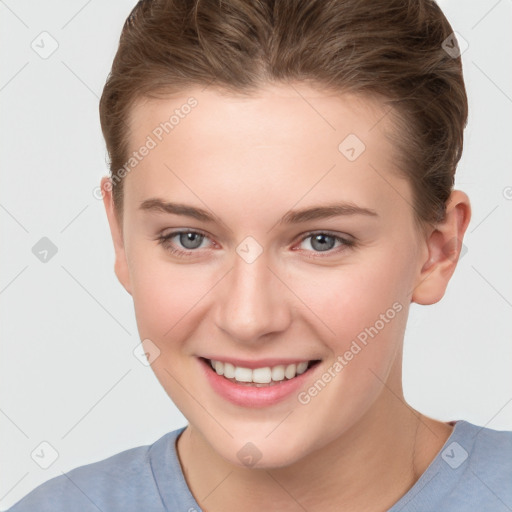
270,112
279,141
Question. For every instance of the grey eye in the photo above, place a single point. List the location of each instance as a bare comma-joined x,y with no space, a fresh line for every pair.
191,240
322,242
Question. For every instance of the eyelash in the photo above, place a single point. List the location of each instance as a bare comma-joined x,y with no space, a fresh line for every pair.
164,240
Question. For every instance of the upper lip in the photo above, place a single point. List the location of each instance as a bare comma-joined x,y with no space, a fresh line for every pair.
259,363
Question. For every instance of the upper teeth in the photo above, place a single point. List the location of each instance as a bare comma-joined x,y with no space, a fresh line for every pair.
259,375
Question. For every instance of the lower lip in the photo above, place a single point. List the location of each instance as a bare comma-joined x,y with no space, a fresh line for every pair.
252,396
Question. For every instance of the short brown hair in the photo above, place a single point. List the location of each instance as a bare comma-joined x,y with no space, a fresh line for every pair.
389,49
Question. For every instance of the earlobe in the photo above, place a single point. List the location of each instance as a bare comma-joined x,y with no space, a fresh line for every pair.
121,264
444,248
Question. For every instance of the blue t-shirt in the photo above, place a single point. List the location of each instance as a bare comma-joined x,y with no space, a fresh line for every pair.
472,472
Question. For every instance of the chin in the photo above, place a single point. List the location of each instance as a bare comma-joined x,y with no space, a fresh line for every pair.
257,451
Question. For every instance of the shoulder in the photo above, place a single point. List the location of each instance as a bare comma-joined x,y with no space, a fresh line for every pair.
123,481
491,456
472,471
478,463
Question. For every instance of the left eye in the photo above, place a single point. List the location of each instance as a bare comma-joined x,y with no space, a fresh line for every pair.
322,242
191,239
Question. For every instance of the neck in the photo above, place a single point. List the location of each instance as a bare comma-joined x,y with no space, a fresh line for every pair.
369,467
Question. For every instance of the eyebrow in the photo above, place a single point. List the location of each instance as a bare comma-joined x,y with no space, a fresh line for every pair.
291,217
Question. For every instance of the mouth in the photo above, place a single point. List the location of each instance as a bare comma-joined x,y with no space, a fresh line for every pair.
264,376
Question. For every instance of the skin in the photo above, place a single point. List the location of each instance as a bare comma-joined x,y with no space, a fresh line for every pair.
357,445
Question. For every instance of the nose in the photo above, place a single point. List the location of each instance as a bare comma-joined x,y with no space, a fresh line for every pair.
252,301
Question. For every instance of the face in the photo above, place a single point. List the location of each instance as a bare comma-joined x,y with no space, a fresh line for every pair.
287,238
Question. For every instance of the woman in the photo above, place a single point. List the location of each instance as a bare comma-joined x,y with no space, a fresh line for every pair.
281,191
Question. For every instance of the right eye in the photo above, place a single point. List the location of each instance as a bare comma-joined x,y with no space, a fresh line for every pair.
189,240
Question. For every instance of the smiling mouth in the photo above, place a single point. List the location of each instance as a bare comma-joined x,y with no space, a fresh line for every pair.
260,377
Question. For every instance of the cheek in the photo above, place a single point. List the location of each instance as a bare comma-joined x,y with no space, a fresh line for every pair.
166,296
365,303
168,301
355,294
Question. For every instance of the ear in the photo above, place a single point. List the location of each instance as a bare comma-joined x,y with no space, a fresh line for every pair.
444,244
121,264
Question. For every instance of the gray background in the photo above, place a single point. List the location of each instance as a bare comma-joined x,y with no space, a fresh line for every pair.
68,374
